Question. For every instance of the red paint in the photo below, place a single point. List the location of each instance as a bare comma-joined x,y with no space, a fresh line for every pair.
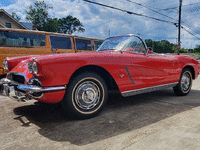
145,70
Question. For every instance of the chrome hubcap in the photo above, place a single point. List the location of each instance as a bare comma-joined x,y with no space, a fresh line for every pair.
87,95
185,81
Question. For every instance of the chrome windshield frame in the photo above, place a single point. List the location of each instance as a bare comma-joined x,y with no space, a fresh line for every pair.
129,35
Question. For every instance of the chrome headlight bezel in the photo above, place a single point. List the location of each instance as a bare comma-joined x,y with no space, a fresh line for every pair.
5,65
35,68
30,66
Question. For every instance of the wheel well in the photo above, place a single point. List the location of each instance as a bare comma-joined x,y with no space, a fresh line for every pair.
191,69
110,82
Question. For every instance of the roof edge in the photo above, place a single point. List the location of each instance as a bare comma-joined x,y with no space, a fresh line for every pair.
2,10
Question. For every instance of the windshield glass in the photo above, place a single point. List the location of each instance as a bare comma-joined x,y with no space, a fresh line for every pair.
123,43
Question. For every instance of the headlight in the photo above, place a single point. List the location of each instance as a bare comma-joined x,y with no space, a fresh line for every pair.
30,66
5,64
35,69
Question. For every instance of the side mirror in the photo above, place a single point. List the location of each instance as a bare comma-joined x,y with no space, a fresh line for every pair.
150,50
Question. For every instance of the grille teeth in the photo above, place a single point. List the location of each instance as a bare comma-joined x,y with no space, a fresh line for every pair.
16,77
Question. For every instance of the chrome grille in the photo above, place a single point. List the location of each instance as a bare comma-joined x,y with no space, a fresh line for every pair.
17,77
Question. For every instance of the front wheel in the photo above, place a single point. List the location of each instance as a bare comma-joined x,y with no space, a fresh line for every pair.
185,83
86,96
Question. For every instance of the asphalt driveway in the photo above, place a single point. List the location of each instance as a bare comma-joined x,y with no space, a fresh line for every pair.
156,120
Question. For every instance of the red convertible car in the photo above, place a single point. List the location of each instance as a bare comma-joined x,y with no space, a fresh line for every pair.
81,81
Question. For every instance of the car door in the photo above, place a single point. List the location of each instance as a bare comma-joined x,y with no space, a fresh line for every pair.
150,70
164,67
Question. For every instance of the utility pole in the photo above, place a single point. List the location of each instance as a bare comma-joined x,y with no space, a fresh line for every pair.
179,28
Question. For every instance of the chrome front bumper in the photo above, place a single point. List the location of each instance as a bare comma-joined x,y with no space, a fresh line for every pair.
21,92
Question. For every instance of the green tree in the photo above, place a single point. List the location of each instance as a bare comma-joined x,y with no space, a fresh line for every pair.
162,46
51,25
70,25
149,42
183,50
37,14
174,49
14,15
197,48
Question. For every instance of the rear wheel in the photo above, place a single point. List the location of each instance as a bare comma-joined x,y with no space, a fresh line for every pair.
86,96
185,83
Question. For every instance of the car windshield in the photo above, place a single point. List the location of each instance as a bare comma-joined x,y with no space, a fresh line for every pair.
123,43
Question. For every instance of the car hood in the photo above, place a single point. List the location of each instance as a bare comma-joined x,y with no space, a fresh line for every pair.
77,55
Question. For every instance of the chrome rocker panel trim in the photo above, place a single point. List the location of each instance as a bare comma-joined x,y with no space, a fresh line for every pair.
146,90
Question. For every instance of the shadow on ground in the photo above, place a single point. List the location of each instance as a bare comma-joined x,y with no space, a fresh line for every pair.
120,115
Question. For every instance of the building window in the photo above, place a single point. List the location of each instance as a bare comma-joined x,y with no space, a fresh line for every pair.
8,25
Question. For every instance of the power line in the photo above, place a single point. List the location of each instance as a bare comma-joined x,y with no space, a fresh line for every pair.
170,8
168,16
151,9
190,33
160,4
197,32
191,4
154,1
177,6
191,17
129,12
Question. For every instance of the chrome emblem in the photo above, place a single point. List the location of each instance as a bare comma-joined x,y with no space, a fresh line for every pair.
121,75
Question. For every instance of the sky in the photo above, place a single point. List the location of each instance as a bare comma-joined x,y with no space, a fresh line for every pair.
100,22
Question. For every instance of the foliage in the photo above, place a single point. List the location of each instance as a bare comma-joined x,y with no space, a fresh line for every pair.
163,46
51,25
14,15
69,25
197,49
183,50
149,43
38,15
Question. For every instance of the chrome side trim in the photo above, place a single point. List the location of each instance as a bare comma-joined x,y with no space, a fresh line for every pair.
146,90
126,68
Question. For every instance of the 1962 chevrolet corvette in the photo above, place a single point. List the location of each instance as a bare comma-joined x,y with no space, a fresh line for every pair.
81,81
